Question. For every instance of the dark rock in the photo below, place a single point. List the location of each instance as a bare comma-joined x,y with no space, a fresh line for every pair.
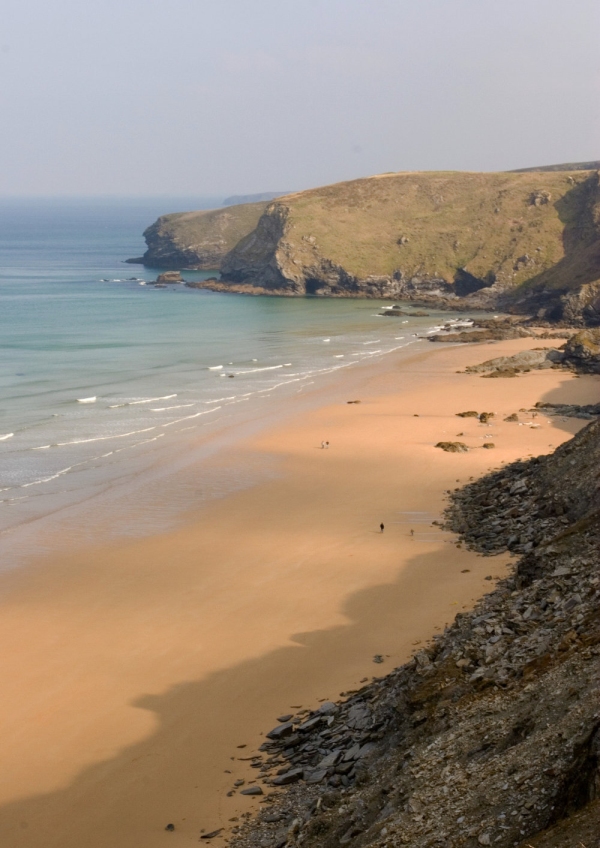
452,447
465,283
315,776
525,360
291,776
281,731
470,414
588,412
285,718
252,790
170,827
310,724
330,760
212,834
582,351
169,277
328,708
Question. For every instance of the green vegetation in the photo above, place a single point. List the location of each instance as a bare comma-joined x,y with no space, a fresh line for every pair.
436,223
199,239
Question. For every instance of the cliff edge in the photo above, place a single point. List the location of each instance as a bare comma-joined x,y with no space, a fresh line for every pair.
523,242
199,240
527,242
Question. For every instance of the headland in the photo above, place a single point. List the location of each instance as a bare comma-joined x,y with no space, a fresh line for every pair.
526,241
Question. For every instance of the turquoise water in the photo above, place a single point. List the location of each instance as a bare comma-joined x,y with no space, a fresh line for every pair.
99,381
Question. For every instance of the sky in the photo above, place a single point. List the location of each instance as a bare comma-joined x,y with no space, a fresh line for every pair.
218,97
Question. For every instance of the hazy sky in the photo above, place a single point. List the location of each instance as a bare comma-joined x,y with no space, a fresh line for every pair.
147,97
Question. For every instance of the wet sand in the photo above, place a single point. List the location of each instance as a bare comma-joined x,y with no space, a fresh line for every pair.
132,671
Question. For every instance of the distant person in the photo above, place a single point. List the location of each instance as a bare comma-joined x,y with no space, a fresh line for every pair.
412,532
326,444
382,526
322,445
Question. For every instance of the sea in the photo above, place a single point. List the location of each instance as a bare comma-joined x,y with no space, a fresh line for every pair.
115,396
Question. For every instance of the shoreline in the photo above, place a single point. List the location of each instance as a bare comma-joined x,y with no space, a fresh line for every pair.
151,660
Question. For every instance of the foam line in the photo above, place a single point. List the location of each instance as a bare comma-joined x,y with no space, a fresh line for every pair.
104,438
187,417
165,408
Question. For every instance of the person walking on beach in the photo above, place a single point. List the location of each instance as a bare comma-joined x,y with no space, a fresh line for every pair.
412,532
382,527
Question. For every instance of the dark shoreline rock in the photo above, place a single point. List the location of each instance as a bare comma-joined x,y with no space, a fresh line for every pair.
169,277
490,735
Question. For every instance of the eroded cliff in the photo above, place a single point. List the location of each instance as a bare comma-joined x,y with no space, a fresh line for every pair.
527,241
199,240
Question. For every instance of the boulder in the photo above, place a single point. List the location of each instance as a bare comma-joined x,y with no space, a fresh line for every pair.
453,447
170,277
582,351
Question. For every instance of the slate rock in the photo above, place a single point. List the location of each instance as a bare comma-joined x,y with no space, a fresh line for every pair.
281,731
291,776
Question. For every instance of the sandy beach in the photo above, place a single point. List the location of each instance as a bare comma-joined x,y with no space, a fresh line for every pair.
133,672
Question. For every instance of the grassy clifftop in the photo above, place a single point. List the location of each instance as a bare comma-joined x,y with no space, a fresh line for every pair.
501,239
199,239
525,240
435,223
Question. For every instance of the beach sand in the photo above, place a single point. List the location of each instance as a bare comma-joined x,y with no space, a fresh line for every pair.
131,672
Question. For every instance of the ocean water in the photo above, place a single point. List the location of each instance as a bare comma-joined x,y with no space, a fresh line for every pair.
107,385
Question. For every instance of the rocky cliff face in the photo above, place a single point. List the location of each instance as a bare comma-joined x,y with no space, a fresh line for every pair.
525,242
198,240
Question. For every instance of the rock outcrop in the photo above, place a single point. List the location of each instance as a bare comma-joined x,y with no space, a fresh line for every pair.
490,735
582,351
170,277
527,242
526,360
198,240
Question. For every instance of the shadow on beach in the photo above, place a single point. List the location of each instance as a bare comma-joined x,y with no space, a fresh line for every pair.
177,774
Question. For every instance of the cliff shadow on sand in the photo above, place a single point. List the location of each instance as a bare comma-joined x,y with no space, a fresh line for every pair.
166,778
177,774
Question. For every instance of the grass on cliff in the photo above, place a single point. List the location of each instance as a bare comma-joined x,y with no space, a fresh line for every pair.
217,228
439,222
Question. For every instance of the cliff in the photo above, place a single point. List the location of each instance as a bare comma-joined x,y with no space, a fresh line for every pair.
198,240
527,241
491,734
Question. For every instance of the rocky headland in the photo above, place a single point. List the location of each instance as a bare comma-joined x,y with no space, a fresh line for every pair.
490,735
198,240
525,242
